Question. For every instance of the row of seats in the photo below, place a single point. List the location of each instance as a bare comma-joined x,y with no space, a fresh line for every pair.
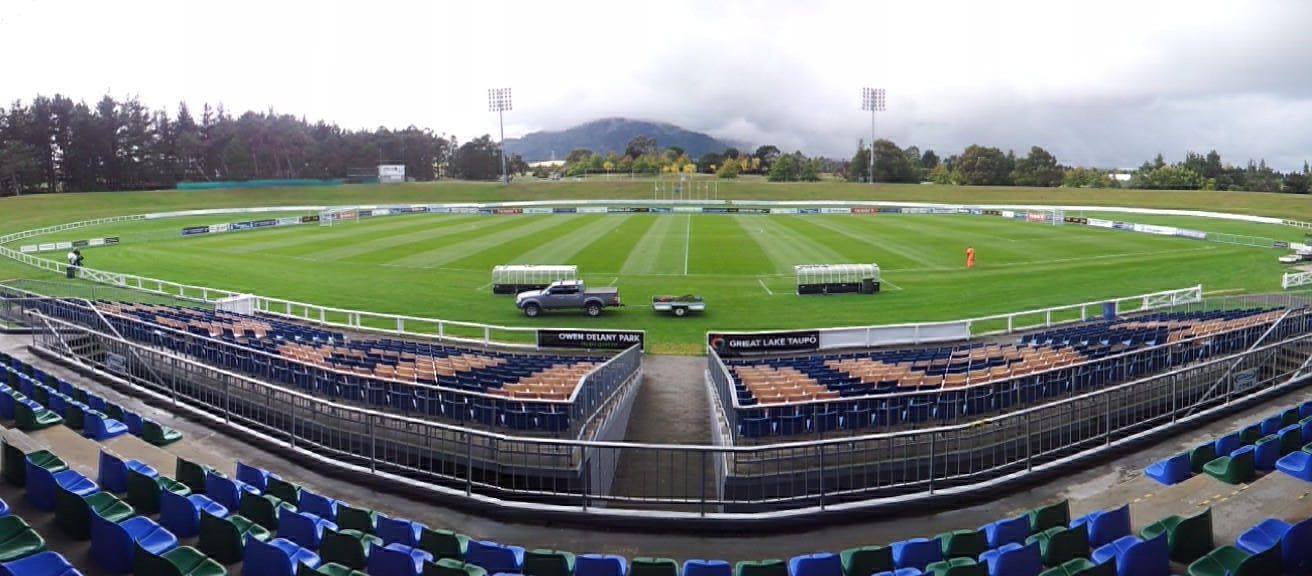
36,400
1278,442
540,401
844,391
276,527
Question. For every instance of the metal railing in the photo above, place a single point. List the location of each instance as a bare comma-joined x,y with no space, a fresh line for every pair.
712,483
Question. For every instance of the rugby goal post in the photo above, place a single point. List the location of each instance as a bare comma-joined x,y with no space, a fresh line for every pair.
329,216
516,278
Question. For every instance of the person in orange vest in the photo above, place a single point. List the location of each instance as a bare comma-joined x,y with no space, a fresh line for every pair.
970,256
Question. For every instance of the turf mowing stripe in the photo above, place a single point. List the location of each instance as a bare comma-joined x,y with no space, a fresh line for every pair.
439,257
645,254
476,228
512,250
343,242
879,237
608,252
723,245
840,242
787,247
566,248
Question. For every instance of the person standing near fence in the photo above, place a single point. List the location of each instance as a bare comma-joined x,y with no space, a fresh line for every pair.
970,256
72,264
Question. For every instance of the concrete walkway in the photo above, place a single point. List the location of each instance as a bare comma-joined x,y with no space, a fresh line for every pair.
666,411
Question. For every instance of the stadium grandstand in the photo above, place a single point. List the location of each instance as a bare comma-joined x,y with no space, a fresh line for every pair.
101,481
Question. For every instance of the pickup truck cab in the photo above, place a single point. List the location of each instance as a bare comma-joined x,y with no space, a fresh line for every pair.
565,295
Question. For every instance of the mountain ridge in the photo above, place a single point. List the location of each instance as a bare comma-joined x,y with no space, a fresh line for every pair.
612,134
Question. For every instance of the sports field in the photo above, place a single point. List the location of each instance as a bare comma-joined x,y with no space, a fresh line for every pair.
438,265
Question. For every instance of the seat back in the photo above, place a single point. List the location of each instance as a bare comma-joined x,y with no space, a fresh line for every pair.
397,531
1022,560
111,545
261,558
1296,548
709,568
111,472
303,529
1191,538
495,557
223,490
821,564
320,506
251,475
393,560
870,559
1109,526
1150,557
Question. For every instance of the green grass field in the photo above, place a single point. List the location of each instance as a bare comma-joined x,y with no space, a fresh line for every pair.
439,266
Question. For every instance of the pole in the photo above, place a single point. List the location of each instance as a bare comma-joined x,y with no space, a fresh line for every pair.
501,121
872,145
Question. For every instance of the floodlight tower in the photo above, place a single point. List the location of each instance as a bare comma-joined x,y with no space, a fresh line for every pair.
498,100
872,99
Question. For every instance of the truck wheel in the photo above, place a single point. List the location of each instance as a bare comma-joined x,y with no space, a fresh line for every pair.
594,309
680,310
532,310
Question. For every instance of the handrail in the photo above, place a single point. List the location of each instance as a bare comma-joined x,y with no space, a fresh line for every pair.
1226,375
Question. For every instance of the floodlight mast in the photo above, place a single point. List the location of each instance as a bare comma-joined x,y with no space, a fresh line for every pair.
872,99
498,100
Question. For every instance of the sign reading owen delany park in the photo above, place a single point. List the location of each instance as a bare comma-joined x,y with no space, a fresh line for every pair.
595,339
764,342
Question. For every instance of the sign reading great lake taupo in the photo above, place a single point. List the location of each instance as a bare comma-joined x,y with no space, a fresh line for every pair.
763,342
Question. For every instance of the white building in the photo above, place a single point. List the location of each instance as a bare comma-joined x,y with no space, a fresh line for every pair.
391,173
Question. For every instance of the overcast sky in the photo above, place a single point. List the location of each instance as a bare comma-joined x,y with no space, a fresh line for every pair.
1104,83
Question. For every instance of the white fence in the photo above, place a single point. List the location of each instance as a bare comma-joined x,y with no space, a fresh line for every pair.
1295,279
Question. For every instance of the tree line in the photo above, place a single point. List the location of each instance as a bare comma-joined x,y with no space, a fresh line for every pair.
53,144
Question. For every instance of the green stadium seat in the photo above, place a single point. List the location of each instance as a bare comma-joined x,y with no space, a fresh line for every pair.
180,561
223,539
1231,561
866,560
548,563
1188,537
1050,516
262,509
143,491
347,547
191,474
28,418
963,543
355,518
1200,456
770,567
647,566
286,491
1060,544
443,543
154,433
73,512
452,567
17,539
1237,468
957,567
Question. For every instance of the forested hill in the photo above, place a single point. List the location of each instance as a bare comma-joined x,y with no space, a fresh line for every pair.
611,135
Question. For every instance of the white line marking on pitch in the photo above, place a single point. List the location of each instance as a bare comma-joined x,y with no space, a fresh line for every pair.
483,287
614,280
885,283
767,288
687,240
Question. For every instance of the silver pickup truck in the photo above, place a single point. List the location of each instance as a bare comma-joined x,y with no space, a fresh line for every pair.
567,294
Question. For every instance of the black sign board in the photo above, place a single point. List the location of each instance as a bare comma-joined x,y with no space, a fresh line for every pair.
111,239
764,342
314,218
590,339
81,243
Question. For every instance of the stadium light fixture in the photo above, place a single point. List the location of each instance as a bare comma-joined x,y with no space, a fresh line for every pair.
872,99
498,100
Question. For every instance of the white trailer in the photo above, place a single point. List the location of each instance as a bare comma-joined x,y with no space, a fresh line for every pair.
837,278
516,278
